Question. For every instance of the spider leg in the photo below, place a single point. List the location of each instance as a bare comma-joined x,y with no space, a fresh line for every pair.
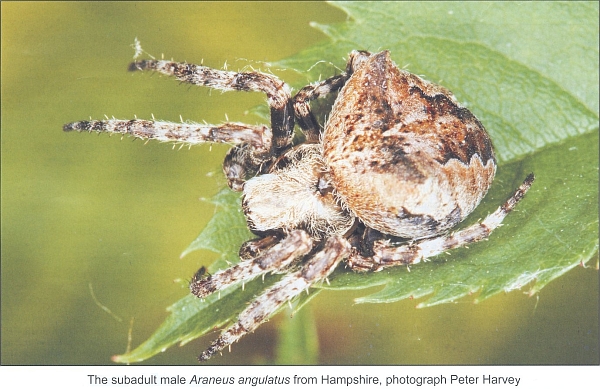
187,133
242,163
278,257
253,248
278,92
306,119
386,255
316,269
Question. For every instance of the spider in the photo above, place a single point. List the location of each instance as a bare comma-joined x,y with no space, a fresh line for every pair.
397,165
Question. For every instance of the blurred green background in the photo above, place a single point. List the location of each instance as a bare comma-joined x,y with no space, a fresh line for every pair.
90,220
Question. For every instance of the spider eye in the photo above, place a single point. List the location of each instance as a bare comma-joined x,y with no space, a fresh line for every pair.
324,186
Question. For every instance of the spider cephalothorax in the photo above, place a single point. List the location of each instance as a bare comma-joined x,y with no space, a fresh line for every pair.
397,165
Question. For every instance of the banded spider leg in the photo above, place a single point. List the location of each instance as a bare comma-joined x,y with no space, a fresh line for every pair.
316,269
386,254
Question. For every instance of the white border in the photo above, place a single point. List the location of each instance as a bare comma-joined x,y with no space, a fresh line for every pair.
580,377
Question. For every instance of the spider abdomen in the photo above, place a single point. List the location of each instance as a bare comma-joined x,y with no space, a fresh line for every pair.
404,156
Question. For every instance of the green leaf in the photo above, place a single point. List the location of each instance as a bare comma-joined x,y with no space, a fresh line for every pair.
529,72
226,227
